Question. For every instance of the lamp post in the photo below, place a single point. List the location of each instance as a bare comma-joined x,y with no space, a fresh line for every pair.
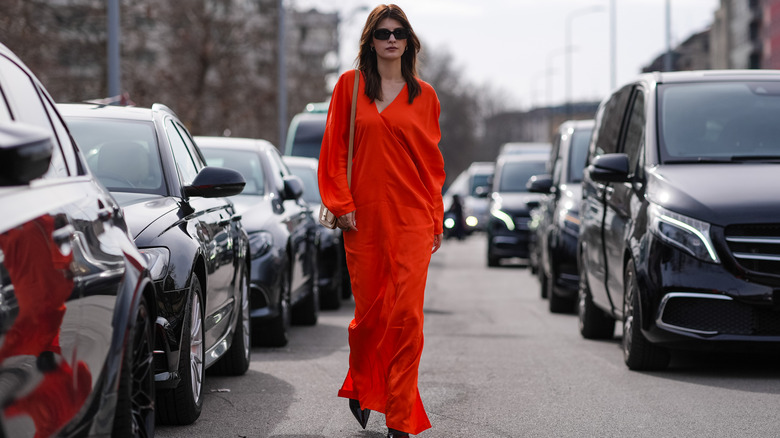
113,48
569,18
282,78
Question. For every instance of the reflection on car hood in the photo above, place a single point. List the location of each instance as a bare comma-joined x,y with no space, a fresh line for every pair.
515,201
255,211
720,194
141,209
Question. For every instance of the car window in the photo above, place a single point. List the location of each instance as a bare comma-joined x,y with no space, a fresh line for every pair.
181,154
194,151
307,138
63,136
635,130
123,154
28,107
247,163
578,153
477,181
610,120
278,169
515,175
311,192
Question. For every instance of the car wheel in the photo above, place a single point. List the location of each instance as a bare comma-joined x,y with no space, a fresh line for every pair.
273,333
638,353
593,322
307,310
543,285
558,304
330,299
236,360
182,404
134,415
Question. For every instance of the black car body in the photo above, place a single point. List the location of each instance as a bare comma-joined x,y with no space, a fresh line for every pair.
281,232
191,235
333,277
77,313
679,222
472,187
558,225
510,207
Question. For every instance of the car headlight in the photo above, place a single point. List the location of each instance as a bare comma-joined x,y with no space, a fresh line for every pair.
260,242
503,217
157,260
688,234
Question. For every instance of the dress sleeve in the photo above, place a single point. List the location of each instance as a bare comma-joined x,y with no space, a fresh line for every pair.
332,171
432,162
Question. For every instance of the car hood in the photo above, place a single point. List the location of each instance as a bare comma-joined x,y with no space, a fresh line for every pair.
508,201
720,194
255,211
142,209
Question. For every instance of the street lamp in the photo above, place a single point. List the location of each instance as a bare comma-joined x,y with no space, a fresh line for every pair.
569,18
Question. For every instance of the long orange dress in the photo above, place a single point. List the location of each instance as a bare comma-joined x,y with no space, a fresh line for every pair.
397,177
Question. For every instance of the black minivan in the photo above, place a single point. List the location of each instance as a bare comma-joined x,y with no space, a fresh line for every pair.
680,216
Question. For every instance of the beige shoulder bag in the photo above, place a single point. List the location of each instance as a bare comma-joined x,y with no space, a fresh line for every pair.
328,219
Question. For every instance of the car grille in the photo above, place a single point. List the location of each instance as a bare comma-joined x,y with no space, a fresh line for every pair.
755,247
719,316
522,222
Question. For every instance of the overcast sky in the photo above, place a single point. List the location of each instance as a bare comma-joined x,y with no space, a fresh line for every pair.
513,44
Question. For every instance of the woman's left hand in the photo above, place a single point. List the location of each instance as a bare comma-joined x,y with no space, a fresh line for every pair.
437,238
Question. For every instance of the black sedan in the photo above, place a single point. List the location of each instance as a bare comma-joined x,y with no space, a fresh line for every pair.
508,232
189,233
77,313
331,257
281,235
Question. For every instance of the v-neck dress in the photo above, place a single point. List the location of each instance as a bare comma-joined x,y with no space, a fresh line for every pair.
397,177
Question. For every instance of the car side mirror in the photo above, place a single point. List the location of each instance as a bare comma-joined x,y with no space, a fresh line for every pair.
214,182
293,187
25,152
539,184
609,168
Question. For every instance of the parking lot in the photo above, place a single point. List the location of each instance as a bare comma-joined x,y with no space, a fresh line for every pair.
496,363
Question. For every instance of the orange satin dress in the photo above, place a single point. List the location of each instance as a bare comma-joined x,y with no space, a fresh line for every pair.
397,177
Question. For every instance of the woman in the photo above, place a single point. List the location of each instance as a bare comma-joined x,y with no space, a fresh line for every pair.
395,197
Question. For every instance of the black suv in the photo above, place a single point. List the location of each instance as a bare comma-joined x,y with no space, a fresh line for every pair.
680,232
559,214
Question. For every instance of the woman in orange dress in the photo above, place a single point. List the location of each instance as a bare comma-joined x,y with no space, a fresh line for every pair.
391,216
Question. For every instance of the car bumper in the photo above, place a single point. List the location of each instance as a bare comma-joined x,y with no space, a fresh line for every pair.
693,304
504,243
265,285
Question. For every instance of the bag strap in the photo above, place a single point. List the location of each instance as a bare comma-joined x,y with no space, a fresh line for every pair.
352,127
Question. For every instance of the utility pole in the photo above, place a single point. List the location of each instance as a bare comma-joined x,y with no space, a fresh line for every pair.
668,54
282,79
113,49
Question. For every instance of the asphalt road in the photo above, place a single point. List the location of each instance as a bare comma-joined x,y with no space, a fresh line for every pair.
496,363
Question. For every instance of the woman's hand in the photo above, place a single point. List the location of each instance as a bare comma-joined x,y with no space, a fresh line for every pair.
437,238
347,222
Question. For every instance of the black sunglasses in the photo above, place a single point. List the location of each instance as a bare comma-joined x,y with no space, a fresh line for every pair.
384,34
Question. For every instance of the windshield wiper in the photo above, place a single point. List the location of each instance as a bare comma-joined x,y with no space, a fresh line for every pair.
698,160
772,158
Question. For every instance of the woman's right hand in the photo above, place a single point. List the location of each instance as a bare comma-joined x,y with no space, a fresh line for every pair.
347,222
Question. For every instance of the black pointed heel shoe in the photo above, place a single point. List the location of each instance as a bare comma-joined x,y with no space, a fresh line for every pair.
361,415
392,433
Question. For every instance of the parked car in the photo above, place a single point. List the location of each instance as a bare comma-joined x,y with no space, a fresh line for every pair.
281,231
521,147
679,236
181,220
304,136
334,283
472,186
510,206
559,214
77,314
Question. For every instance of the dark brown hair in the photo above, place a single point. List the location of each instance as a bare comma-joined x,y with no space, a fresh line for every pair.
366,59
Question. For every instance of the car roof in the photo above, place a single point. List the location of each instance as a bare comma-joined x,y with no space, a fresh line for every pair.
522,157
301,161
709,75
236,143
578,124
110,111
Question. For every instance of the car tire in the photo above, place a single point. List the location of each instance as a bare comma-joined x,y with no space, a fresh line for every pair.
638,353
492,261
558,304
543,285
182,405
307,310
593,322
330,297
274,332
134,414
235,362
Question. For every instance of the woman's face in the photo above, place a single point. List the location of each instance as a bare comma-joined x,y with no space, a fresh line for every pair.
391,48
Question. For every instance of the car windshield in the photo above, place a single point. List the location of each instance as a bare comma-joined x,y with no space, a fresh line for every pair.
515,175
308,138
123,154
578,153
311,191
245,162
479,180
720,121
